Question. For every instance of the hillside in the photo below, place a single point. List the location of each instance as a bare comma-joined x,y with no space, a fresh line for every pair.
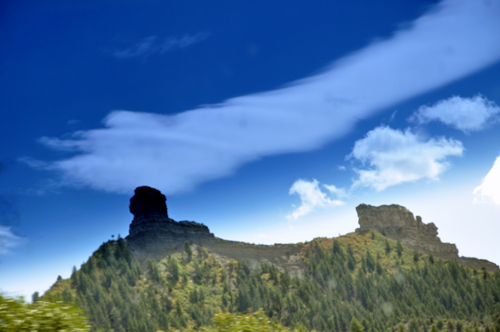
169,275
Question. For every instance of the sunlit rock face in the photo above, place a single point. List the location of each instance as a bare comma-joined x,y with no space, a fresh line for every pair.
398,223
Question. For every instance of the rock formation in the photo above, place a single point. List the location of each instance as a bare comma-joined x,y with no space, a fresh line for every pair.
149,208
398,223
148,200
153,235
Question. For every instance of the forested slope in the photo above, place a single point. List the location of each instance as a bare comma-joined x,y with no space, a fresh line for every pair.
381,283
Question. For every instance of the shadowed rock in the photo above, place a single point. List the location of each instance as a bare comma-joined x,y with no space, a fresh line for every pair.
148,200
153,235
149,208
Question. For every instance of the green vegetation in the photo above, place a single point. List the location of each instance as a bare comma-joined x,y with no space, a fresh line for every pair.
363,282
249,322
16,315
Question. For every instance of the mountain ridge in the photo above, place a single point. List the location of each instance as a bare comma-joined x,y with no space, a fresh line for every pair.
171,275
153,233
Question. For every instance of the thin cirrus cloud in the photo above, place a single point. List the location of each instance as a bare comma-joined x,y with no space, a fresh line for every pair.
395,157
177,152
154,45
311,197
9,216
489,190
9,241
465,114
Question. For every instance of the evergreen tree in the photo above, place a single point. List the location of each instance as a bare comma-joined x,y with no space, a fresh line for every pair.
399,249
356,326
35,297
387,247
187,249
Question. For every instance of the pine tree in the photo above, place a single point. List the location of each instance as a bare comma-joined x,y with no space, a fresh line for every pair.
399,249
387,247
187,249
356,326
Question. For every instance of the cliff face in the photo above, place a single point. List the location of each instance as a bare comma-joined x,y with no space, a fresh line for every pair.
398,223
153,235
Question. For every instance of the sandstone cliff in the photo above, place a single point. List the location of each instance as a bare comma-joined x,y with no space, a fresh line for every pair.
398,223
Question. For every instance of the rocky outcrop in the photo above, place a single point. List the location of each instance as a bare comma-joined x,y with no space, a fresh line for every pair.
153,235
398,223
148,200
149,208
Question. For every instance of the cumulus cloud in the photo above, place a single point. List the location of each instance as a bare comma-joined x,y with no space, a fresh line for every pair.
177,152
312,197
465,114
396,156
489,190
153,45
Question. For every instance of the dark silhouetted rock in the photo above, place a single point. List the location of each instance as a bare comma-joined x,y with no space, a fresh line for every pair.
149,208
148,200
153,234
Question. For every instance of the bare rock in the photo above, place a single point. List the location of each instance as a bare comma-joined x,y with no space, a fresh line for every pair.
149,208
398,223
153,235
148,200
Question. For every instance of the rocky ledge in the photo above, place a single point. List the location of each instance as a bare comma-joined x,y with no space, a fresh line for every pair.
398,223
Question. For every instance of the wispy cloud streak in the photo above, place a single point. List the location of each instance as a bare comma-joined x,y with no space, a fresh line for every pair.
9,240
9,216
177,152
153,45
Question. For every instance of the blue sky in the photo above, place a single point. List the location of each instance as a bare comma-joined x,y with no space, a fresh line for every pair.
267,121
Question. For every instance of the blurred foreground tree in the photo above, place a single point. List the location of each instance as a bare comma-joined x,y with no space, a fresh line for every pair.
16,315
256,321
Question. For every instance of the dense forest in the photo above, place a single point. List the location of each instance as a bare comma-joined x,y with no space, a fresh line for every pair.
355,282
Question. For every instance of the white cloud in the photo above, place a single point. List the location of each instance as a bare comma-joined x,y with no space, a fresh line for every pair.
9,240
339,192
153,45
396,157
311,197
490,187
177,152
465,114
